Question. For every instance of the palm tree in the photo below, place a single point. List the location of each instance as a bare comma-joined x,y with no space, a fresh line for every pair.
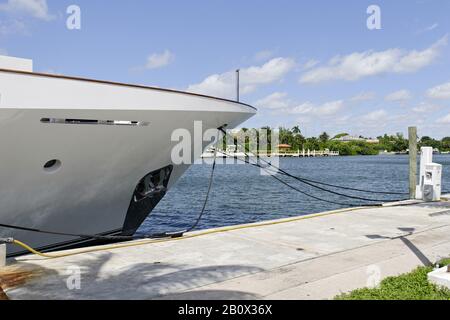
324,137
296,130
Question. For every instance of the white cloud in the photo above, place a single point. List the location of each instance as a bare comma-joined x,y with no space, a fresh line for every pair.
440,92
310,64
35,8
329,108
270,72
159,60
12,27
429,28
326,109
375,116
425,108
304,108
444,120
399,96
263,55
432,27
224,85
363,96
3,52
359,65
277,100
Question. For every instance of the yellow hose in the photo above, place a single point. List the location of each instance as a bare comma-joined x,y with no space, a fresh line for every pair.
214,231
30,249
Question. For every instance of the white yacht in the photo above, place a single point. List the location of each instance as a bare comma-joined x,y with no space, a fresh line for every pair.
83,156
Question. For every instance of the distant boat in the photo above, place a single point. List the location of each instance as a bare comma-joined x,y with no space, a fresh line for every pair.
387,153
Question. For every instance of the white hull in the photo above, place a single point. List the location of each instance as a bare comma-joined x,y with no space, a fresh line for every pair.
101,164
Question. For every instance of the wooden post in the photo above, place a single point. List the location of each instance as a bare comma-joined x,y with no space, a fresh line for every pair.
2,255
412,133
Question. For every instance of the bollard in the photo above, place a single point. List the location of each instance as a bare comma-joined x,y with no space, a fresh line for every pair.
2,255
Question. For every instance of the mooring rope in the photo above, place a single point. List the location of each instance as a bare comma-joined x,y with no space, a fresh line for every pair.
179,234
308,181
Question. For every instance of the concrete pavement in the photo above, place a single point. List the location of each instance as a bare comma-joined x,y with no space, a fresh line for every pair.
316,257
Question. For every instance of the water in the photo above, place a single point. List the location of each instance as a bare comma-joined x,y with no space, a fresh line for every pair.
241,195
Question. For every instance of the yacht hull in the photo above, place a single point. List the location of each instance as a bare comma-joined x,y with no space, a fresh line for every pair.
105,138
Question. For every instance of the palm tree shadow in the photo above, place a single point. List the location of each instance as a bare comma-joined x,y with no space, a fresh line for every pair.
414,249
138,281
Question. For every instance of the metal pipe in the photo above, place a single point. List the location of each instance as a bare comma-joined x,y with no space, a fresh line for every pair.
237,85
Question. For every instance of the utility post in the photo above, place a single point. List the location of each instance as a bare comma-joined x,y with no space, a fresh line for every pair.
2,255
412,133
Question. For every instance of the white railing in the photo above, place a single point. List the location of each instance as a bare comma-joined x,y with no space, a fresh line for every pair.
308,153
298,154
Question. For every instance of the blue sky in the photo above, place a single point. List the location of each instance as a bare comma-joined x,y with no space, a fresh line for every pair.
313,64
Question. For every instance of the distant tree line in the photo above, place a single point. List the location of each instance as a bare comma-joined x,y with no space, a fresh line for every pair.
389,143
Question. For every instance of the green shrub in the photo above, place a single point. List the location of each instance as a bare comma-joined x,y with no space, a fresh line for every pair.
410,286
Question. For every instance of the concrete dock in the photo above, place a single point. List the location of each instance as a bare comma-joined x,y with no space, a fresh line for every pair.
312,257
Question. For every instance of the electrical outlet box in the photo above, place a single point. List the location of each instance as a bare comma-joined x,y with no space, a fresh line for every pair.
432,182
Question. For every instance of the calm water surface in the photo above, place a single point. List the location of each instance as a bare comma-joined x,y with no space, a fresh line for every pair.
241,194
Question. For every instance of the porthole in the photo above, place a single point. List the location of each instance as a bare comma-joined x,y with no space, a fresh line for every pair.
52,166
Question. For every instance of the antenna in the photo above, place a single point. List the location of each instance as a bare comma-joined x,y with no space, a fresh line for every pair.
237,85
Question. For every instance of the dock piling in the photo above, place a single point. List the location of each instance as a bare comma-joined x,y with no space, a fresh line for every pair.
412,132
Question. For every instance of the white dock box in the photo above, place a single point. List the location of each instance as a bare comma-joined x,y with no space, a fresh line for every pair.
432,182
